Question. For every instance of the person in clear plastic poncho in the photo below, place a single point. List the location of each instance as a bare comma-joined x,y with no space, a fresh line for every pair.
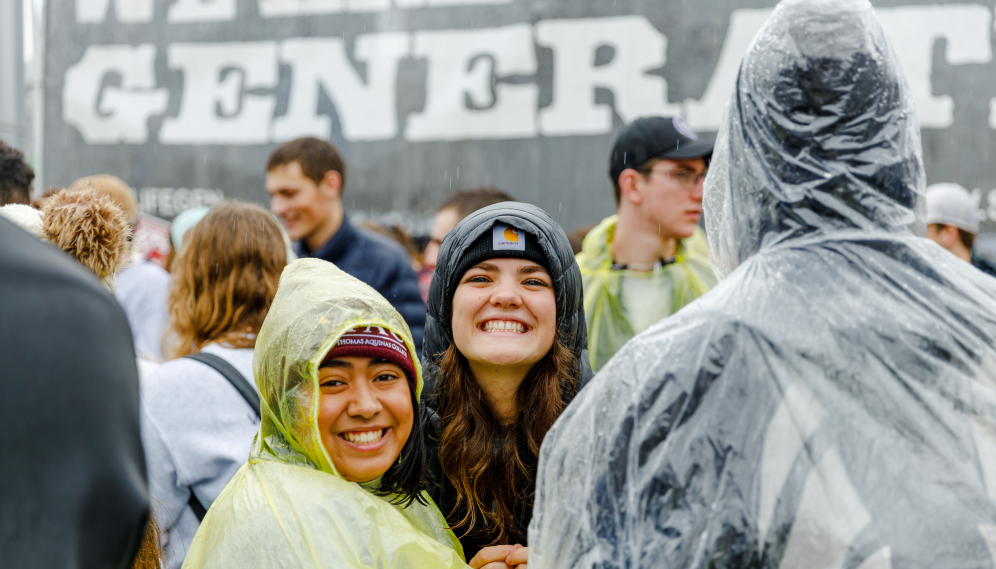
289,506
832,402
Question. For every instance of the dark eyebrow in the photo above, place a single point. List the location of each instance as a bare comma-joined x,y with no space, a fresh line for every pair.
337,364
490,267
530,269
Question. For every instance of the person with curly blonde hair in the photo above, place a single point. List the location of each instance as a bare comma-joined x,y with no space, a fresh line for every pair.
197,426
90,228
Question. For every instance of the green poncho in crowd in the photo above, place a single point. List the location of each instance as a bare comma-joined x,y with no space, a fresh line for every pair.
288,506
621,303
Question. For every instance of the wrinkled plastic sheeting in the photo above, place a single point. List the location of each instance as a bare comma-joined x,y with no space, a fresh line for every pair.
815,141
832,402
288,506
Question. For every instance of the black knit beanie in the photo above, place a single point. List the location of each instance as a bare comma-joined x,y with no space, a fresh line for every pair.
501,242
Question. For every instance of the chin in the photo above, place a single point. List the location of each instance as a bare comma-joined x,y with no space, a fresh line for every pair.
685,232
366,474
509,359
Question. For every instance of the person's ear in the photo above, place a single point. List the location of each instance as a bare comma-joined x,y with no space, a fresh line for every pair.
629,186
331,184
946,236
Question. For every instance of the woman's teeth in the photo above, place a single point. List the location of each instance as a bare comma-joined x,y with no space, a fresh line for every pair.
504,326
366,437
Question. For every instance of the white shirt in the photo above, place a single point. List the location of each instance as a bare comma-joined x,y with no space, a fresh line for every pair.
646,297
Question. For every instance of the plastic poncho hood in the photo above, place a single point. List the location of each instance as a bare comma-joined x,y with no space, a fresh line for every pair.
289,507
821,136
832,402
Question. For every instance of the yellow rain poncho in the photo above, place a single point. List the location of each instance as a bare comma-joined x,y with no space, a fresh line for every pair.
288,506
687,278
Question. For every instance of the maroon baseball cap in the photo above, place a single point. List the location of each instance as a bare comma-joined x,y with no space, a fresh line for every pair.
375,342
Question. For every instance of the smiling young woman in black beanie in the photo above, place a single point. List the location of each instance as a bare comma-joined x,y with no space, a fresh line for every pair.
504,353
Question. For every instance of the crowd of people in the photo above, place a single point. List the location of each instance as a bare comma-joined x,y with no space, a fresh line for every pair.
813,385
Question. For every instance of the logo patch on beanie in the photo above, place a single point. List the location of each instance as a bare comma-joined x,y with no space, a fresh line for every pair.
505,238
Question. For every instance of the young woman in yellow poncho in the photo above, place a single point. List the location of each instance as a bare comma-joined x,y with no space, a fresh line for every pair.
336,473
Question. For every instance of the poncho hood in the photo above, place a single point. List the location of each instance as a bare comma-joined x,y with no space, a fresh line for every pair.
289,506
567,287
316,303
821,136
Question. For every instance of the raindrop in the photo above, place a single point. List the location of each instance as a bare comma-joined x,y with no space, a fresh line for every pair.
560,206
458,172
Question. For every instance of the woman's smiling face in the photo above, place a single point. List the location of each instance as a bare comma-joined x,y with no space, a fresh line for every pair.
365,415
504,313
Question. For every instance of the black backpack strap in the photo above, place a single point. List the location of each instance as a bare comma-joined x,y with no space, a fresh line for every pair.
233,376
197,507
241,385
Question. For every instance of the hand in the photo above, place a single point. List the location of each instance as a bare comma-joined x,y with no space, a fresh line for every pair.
493,557
519,557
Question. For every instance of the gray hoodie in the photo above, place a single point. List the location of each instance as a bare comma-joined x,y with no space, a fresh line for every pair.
196,430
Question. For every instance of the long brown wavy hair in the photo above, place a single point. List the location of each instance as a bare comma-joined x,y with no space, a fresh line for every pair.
224,278
150,552
480,455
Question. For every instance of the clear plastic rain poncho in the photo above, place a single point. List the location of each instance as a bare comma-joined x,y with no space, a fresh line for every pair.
288,507
832,402
684,280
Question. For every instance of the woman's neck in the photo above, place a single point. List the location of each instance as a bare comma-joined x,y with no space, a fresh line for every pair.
500,385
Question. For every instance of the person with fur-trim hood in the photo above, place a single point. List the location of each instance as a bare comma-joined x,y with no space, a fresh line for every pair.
90,228
141,286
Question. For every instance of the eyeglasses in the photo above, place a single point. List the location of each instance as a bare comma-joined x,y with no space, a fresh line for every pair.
683,178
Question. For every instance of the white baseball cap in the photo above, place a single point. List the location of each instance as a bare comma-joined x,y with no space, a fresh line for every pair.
951,204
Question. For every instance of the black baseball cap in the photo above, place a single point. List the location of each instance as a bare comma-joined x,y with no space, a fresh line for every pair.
655,137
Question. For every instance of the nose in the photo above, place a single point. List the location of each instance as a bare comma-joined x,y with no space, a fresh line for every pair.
506,295
364,403
698,189
431,254
277,206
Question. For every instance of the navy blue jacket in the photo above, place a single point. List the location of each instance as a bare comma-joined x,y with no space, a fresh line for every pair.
379,262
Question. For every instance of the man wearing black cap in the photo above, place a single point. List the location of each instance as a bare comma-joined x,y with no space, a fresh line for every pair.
651,258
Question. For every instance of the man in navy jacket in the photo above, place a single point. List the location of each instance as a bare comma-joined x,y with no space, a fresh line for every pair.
305,179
